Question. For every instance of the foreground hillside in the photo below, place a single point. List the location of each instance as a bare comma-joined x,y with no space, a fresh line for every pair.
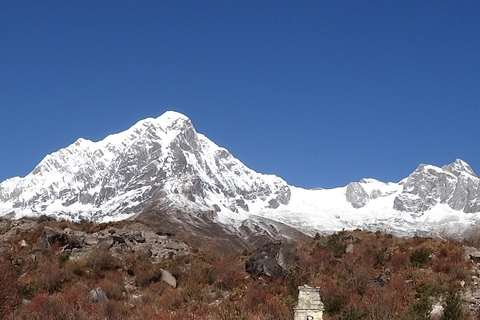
49,269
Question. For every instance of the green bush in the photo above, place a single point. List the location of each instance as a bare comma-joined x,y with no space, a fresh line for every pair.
420,256
335,246
452,308
419,310
352,314
334,303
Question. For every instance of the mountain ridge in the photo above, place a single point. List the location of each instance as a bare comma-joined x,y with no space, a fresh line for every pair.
163,164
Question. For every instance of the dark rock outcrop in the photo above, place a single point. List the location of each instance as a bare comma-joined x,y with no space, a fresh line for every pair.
274,259
50,237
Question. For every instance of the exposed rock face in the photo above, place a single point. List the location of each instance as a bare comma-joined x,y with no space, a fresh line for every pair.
455,184
356,195
274,260
134,237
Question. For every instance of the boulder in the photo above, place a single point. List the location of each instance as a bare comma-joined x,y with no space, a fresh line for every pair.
274,259
164,232
50,237
173,245
168,278
97,295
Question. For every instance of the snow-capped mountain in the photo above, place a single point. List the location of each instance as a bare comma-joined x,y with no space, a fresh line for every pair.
163,167
430,201
118,176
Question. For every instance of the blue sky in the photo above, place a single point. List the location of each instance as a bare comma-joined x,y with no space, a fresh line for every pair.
320,93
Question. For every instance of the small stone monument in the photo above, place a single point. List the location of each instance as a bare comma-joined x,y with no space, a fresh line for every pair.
310,306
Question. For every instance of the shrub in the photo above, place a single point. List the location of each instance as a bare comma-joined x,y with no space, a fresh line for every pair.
398,261
101,260
9,289
419,310
352,314
420,256
334,303
335,246
113,285
193,290
51,277
452,308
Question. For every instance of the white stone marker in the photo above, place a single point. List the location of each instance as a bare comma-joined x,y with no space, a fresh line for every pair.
310,306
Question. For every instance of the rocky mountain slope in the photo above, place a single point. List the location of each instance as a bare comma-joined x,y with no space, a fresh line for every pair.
163,170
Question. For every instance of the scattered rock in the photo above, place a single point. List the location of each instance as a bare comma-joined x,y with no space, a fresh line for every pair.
380,280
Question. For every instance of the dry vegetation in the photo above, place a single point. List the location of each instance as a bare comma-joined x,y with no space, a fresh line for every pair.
383,278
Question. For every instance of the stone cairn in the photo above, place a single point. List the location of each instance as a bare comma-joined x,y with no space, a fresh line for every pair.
310,306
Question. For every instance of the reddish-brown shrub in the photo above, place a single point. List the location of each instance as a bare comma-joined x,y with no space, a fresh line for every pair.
255,299
51,277
9,289
101,260
172,299
113,285
398,261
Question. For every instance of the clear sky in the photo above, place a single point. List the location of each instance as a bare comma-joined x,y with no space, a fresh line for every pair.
320,93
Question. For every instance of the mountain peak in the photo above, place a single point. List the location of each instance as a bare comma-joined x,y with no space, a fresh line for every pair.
459,166
169,120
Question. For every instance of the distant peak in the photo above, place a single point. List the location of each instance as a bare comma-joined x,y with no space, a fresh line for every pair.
171,120
173,115
459,166
167,121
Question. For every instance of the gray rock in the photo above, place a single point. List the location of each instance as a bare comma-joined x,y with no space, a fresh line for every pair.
349,248
168,278
173,245
273,203
274,259
380,280
97,295
91,240
356,195
50,237
466,195
163,232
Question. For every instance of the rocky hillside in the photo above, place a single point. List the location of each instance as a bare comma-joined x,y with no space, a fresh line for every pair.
60,270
